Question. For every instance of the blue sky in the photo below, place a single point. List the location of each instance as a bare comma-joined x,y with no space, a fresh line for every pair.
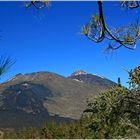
50,39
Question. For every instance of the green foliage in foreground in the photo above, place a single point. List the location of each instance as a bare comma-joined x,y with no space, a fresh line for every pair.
134,78
107,117
113,114
48,131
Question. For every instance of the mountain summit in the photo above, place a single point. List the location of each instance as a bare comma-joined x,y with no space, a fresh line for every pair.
78,72
30,99
91,79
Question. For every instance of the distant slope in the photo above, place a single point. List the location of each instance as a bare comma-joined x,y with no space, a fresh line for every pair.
30,99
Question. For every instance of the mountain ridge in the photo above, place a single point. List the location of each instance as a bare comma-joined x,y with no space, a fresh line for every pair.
46,94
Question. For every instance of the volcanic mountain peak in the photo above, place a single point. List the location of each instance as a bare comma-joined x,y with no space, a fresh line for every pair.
81,72
78,72
39,96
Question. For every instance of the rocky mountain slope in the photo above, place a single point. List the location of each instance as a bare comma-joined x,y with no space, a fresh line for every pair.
93,79
30,99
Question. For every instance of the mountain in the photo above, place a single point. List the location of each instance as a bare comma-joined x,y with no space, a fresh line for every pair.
93,79
30,99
